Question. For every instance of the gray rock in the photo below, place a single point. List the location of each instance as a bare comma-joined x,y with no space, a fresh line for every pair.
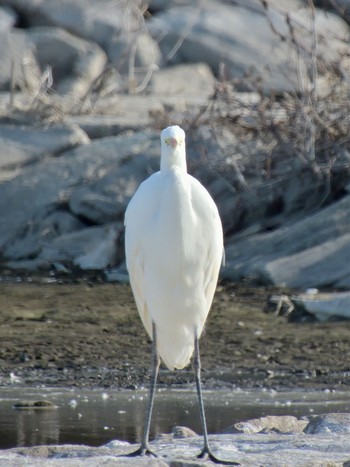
135,55
8,19
160,5
104,167
341,7
329,423
279,5
184,80
117,27
221,34
144,109
89,248
24,145
180,432
36,234
319,266
124,162
101,126
293,247
95,207
19,67
324,305
82,17
270,423
114,114
75,63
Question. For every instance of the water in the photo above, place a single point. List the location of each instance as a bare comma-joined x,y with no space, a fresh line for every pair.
94,417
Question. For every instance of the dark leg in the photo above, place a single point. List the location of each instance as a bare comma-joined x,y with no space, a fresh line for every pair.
206,452
144,449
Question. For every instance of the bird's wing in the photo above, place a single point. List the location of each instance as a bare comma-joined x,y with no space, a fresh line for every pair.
211,237
140,208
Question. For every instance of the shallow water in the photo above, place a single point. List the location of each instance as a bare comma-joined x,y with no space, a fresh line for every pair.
94,417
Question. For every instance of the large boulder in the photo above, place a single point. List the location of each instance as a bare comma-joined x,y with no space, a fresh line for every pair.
33,203
186,80
311,252
89,248
19,66
75,63
329,423
323,265
8,19
221,35
117,27
324,306
22,145
269,424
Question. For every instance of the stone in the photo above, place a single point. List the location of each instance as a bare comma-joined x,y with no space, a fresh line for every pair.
8,19
22,145
109,169
307,253
19,67
124,113
221,34
270,423
37,234
135,55
98,23
160,5
184,80
96,207
180,432
89,248
101,126
319,266
75,63
329,423
35,405
324,306
117,27
341,7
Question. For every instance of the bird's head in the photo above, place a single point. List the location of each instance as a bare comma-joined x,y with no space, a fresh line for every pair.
173,147
173,137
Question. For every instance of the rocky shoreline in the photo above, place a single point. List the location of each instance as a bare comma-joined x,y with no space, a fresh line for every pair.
269,441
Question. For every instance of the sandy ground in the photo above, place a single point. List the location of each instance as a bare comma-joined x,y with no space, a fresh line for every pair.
88,333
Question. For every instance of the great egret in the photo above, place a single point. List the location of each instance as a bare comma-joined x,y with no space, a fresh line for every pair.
174,248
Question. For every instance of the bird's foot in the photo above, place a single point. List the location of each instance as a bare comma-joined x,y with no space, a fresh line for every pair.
208,455
141,451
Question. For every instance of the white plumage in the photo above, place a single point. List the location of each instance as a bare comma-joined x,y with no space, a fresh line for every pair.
174,248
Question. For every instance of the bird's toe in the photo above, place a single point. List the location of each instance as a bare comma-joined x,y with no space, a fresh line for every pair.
140,452
208,455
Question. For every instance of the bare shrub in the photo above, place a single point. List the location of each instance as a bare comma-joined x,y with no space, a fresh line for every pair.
277,140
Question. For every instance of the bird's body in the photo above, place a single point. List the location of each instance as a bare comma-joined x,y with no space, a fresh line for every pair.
174,248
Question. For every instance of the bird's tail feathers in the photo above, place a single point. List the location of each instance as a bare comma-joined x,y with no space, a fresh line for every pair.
175,347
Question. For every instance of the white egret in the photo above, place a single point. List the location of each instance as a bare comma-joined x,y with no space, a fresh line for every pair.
174,249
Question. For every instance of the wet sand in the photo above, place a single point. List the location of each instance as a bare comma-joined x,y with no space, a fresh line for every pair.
87,333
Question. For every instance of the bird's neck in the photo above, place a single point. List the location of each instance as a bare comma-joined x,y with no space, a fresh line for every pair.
171,158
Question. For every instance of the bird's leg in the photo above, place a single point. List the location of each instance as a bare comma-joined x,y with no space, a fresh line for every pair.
144,449
206,452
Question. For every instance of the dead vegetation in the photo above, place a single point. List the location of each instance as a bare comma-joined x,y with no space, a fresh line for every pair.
290,153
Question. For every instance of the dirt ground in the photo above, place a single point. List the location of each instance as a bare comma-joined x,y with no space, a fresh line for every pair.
87,333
